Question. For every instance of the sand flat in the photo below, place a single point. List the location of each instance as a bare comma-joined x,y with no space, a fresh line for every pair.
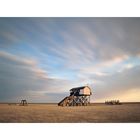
51,113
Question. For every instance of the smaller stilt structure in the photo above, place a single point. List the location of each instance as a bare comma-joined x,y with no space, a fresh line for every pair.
23,103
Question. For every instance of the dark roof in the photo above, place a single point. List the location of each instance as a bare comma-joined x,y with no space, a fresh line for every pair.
77,88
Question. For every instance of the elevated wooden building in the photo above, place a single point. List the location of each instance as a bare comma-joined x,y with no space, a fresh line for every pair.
79,96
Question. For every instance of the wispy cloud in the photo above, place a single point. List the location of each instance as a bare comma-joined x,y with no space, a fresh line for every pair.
22,78
118,84
50,55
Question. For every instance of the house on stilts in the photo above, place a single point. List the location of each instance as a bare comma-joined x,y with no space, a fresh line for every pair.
79,96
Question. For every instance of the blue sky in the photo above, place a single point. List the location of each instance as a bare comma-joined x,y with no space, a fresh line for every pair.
42,58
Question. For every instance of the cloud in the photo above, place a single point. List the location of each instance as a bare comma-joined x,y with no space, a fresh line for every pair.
119,85
85,39
22,78
41,56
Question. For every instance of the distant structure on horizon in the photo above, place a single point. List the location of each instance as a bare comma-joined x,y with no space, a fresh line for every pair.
79,96
23,103
113,102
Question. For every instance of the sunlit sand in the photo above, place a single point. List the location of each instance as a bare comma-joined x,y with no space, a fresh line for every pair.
51,113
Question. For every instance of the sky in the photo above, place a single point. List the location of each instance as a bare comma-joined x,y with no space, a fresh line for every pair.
41,59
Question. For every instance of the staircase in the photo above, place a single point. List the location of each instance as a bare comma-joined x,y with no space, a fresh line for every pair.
67,101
